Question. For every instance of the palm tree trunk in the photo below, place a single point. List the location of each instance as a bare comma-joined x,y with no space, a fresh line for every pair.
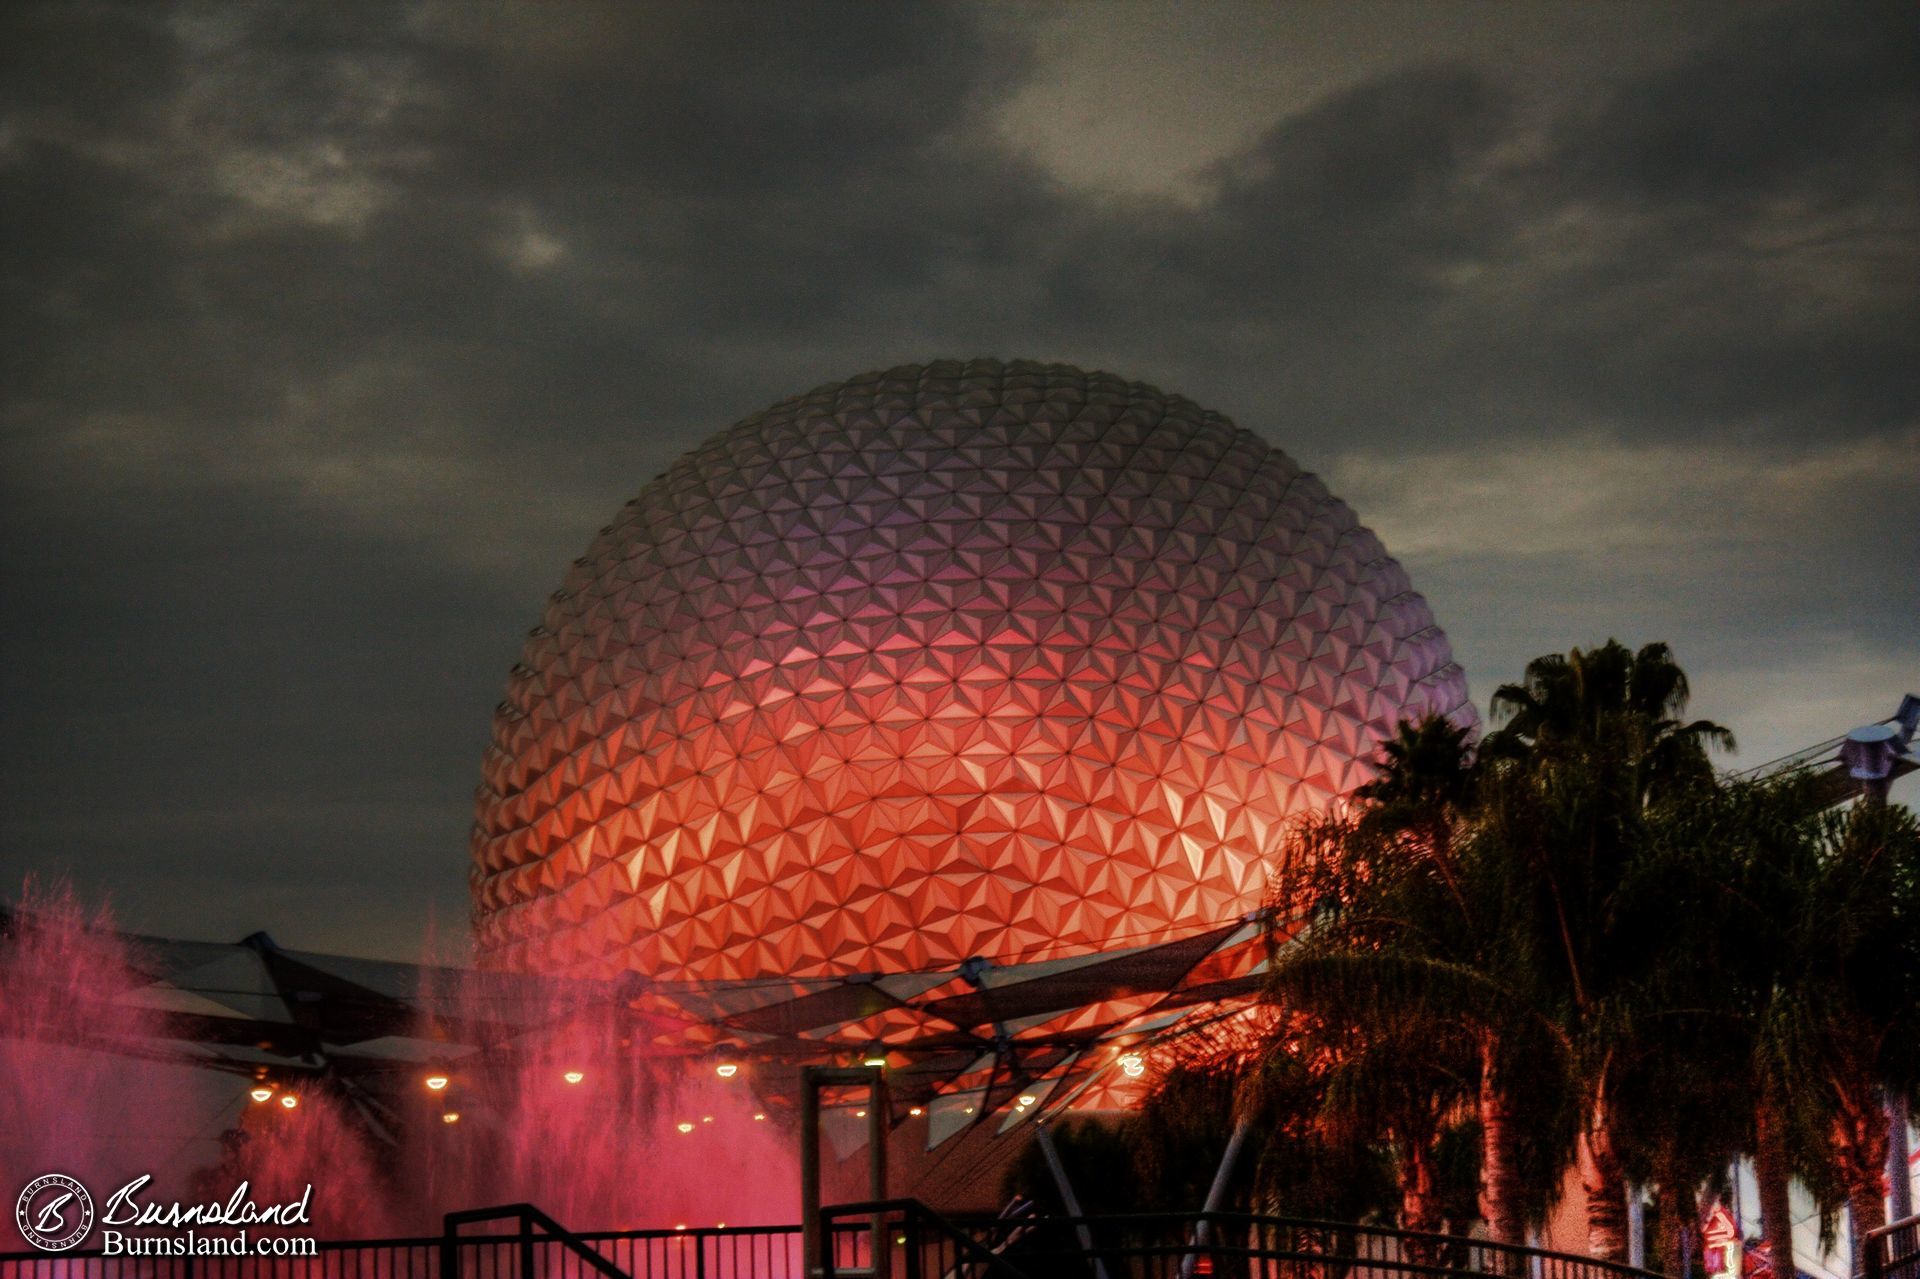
1868,1207
1861,1143
1605,1182
1419,1202
1860,1139
1770,1172
1679,1218
1672,1203
1499,1177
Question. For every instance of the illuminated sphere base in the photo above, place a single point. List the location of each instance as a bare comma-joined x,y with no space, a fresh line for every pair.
966,659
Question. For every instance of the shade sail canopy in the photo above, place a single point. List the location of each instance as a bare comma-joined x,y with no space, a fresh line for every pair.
967,1042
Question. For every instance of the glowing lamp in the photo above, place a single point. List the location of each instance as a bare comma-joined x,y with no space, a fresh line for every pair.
289,1101
451,1117
573,1076
759,1117
435,1083
915,1111
1027,1099
727,1069
1132,1066
684,1126
261,1094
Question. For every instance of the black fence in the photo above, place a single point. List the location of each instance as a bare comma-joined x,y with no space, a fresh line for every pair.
514,1243
1892,1251
923,1245
519,1242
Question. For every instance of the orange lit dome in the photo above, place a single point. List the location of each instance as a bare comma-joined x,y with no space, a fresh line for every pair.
966,659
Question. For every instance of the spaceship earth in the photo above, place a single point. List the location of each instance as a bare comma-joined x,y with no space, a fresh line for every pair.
965,659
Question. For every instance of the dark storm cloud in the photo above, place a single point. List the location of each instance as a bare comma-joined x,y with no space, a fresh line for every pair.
335,330
1768,201
1327,246
1333,214
728,100
1798,94
1724,243
205,736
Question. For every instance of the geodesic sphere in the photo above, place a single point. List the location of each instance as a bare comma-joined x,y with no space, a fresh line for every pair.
966,659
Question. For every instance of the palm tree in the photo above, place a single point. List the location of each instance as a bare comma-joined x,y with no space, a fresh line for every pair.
1380,1074
1426,795
1687,970
1836,993
1492,895
1275,1085
1407,1084
1743,856
1592,740
1610,699
1683,1107
1423,794
1793,1003
1407,955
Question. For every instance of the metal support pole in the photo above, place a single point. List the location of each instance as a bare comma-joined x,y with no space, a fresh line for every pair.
877,1114
815,1243
813,1260
1636,1228
1068,1198
1899,1161
1216,1194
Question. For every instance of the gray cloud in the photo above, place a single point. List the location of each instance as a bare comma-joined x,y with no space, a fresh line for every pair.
334,331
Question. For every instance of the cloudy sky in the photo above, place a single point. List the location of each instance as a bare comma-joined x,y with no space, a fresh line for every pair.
332,333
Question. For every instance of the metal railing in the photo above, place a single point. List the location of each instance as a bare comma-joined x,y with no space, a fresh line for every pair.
1892,1251
904,1237
923,1245
520,1242
538,1234
531,1249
